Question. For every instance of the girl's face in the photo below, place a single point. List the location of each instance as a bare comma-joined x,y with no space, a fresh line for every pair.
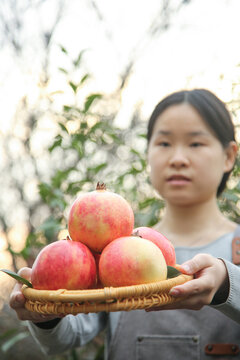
186,159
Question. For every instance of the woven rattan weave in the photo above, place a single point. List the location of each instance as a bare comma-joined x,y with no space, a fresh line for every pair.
63,302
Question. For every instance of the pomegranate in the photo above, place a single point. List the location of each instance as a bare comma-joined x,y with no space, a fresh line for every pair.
98,217
160,240
131,260
64,264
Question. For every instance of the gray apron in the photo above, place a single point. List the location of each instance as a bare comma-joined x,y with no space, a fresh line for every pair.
175,334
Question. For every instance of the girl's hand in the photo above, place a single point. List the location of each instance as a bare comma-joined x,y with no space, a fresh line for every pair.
210,280
17,301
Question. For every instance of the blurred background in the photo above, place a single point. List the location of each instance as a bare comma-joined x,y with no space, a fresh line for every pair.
78,81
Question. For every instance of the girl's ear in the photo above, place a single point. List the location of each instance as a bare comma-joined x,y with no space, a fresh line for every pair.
231,154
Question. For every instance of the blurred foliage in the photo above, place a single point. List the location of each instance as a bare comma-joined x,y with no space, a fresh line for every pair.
90,148
229,201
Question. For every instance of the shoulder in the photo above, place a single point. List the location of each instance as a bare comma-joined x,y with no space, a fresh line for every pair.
227,224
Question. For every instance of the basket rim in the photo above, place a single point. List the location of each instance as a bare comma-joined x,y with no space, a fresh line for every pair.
106,293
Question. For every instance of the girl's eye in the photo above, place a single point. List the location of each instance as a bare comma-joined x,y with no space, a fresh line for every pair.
196,144
163,143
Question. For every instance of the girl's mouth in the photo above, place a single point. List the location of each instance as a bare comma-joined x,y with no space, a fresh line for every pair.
178,180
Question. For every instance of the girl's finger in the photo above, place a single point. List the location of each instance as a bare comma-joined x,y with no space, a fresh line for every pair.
190,288
25,272
196,264
193,302
17,300
24,315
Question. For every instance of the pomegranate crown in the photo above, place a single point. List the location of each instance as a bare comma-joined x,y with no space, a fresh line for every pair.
101,186
136,233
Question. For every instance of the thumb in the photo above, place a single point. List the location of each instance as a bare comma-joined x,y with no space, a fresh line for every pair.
17,299
25,272
186,268
197,263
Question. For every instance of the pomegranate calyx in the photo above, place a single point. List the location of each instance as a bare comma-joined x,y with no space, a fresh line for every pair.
136,233
101,186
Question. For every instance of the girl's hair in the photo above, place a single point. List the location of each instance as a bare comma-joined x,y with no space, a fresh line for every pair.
212,110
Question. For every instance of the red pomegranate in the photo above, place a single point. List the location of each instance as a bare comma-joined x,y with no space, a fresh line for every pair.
98,217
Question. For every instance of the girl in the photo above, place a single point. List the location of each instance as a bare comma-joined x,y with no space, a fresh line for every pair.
191,153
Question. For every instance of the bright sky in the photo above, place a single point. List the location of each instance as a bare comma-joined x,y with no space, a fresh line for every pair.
201,49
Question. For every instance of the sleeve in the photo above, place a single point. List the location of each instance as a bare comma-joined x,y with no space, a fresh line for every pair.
71,331
231,307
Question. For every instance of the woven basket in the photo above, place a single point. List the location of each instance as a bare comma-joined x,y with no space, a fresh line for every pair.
64,302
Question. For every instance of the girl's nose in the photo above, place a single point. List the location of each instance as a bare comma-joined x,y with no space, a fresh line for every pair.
179,158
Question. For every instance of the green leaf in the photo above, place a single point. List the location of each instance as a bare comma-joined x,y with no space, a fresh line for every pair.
58,179
231,196
58,203
98,168
172,272
98,125
83,125
74,187
135,152
8,344
63,49
144,136
67,108
84,78
8,333
45,191
148,202
57,143
90,99
17,277
73,86
63,127
77,62
63,70
50,228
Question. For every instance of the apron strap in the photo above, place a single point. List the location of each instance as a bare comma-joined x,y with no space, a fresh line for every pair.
236,247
